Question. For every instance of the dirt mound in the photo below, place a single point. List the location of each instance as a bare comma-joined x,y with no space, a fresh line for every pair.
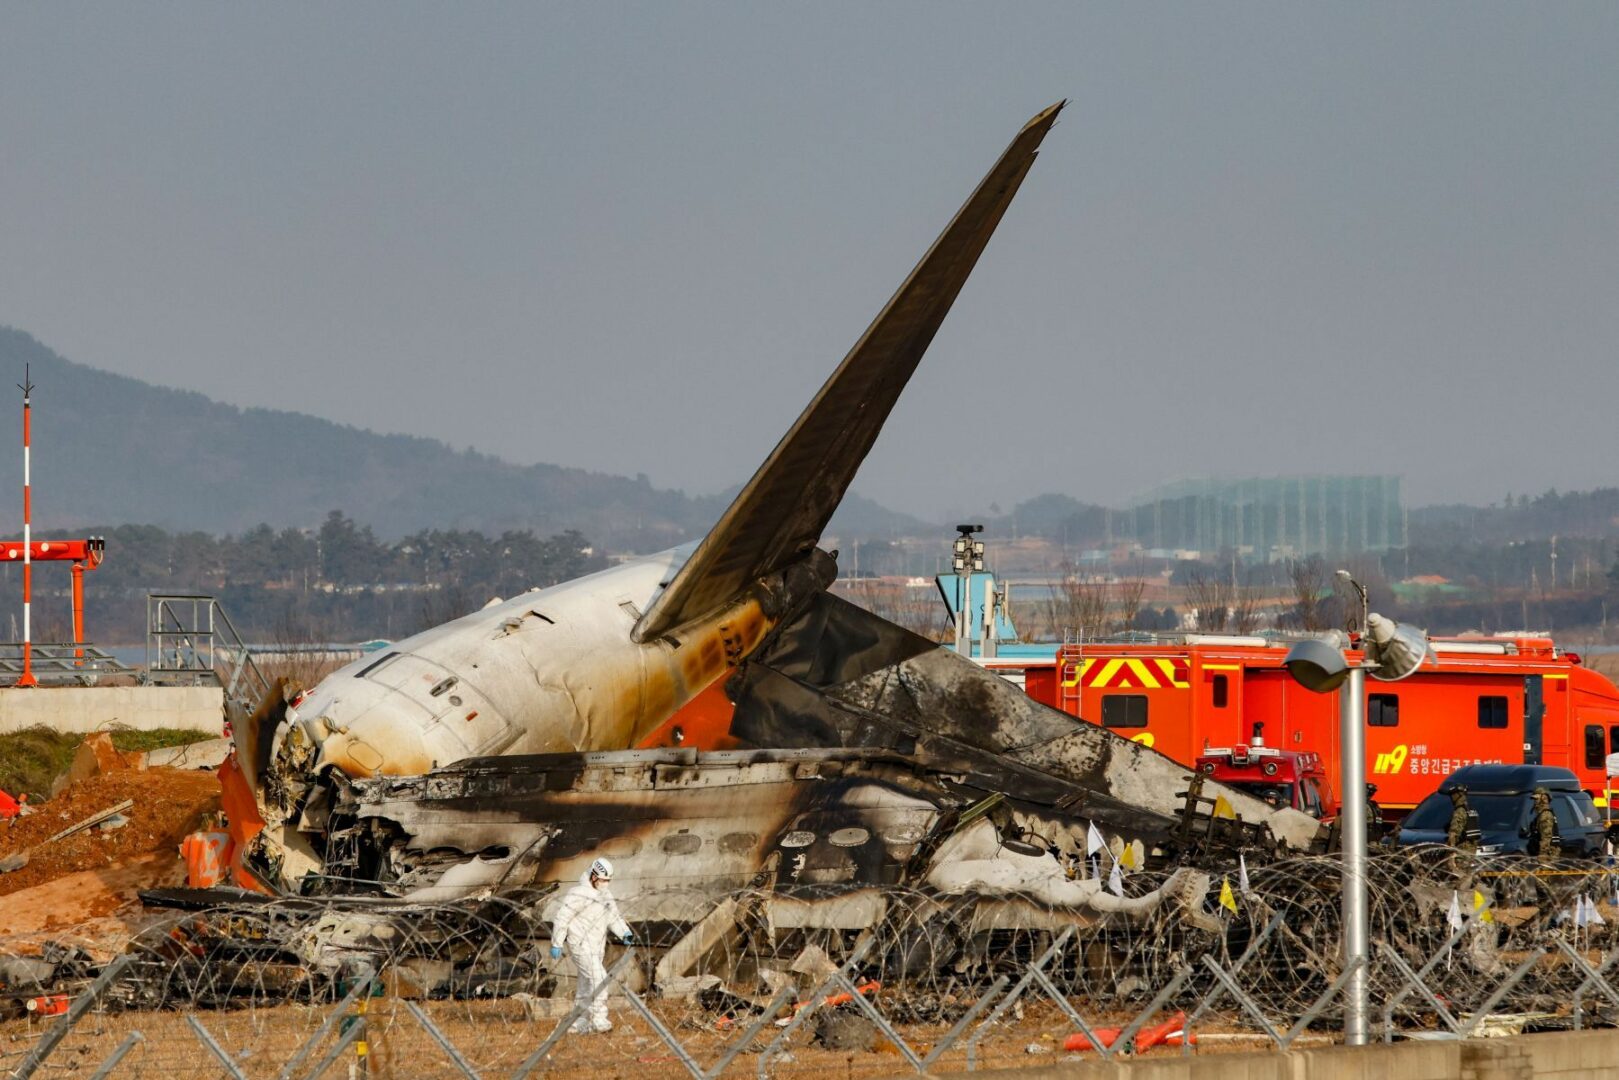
168,804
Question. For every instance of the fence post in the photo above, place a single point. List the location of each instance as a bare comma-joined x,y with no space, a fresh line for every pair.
443,1040
816,1000
58,1031
1593,976
118,1054
208,1040
1010,999
965,1022
361,986
529,1063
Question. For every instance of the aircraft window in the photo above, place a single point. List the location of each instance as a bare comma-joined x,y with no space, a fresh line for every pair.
849,837
565,847
738,843
620,847
1221,691
375,664
1383,710
1492,712
1595,752
443,685
1613,739
1124,711
681,844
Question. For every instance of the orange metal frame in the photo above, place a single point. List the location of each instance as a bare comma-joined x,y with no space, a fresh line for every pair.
83,554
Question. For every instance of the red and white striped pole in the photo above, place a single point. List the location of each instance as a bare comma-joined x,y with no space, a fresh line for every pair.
27,679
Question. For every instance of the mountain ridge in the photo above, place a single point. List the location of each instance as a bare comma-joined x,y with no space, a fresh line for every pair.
179,459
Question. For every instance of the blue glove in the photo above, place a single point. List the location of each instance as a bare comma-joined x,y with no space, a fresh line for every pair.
628,939
556,952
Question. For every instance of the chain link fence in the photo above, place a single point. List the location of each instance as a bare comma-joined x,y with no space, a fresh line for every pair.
869,981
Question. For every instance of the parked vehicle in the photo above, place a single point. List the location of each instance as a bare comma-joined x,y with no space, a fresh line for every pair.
1510,700
1502,801
1281,777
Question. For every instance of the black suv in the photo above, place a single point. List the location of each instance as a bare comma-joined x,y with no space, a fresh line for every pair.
1503,798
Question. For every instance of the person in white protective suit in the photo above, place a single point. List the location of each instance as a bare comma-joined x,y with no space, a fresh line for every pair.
587,912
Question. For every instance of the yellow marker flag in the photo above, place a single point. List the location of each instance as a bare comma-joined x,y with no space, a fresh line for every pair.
1223,808
1127,857
1478,903
1227,899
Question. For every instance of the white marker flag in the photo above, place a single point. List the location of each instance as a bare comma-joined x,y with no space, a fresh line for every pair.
1115,881
1454,916
1093,839
1242,874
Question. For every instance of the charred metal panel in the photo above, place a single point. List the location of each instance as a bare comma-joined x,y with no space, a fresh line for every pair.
840,675
679,825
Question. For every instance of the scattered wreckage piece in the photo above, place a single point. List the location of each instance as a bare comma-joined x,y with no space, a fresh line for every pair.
109,818
841,676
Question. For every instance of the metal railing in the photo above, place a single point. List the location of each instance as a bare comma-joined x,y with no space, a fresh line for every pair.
190,641
60,663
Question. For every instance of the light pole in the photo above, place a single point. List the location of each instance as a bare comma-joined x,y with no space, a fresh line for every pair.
1343,576
1389,652
967,555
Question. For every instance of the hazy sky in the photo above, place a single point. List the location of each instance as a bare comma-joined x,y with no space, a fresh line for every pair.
636,237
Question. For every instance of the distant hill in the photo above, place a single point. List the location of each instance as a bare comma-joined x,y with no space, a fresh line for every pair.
118,449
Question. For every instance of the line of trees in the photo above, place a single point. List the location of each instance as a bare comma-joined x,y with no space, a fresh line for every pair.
338,582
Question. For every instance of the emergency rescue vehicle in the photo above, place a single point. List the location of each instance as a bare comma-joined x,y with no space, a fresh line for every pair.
1510,699
1293,778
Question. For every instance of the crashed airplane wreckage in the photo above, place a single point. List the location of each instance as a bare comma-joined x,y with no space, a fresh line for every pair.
495,755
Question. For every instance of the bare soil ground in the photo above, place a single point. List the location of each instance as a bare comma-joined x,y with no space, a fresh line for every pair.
496,1036
168,804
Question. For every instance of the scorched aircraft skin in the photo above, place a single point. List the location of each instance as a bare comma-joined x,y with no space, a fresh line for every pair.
598,663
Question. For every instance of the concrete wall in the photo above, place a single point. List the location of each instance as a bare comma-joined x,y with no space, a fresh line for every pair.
96,708
1573,1055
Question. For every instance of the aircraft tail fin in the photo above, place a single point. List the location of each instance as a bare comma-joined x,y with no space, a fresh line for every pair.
778,517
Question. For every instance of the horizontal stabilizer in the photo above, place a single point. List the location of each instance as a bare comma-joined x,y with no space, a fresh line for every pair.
778,517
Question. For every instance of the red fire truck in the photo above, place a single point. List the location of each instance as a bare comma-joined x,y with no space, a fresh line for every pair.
1509,699
1293,778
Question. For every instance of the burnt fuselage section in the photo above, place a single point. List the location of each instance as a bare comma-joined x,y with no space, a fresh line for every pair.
682,827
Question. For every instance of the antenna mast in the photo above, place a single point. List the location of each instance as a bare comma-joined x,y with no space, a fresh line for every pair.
27,677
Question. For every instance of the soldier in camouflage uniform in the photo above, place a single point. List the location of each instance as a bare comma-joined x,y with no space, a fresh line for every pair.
1545,835
1457,834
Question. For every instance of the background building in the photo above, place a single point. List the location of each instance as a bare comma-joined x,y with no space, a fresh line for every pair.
1272,517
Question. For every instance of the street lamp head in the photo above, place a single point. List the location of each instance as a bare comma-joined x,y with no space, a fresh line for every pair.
1316,665
1342,575
1393,649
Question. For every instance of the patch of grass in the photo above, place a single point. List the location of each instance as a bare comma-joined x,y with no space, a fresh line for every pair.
156,739
31,758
